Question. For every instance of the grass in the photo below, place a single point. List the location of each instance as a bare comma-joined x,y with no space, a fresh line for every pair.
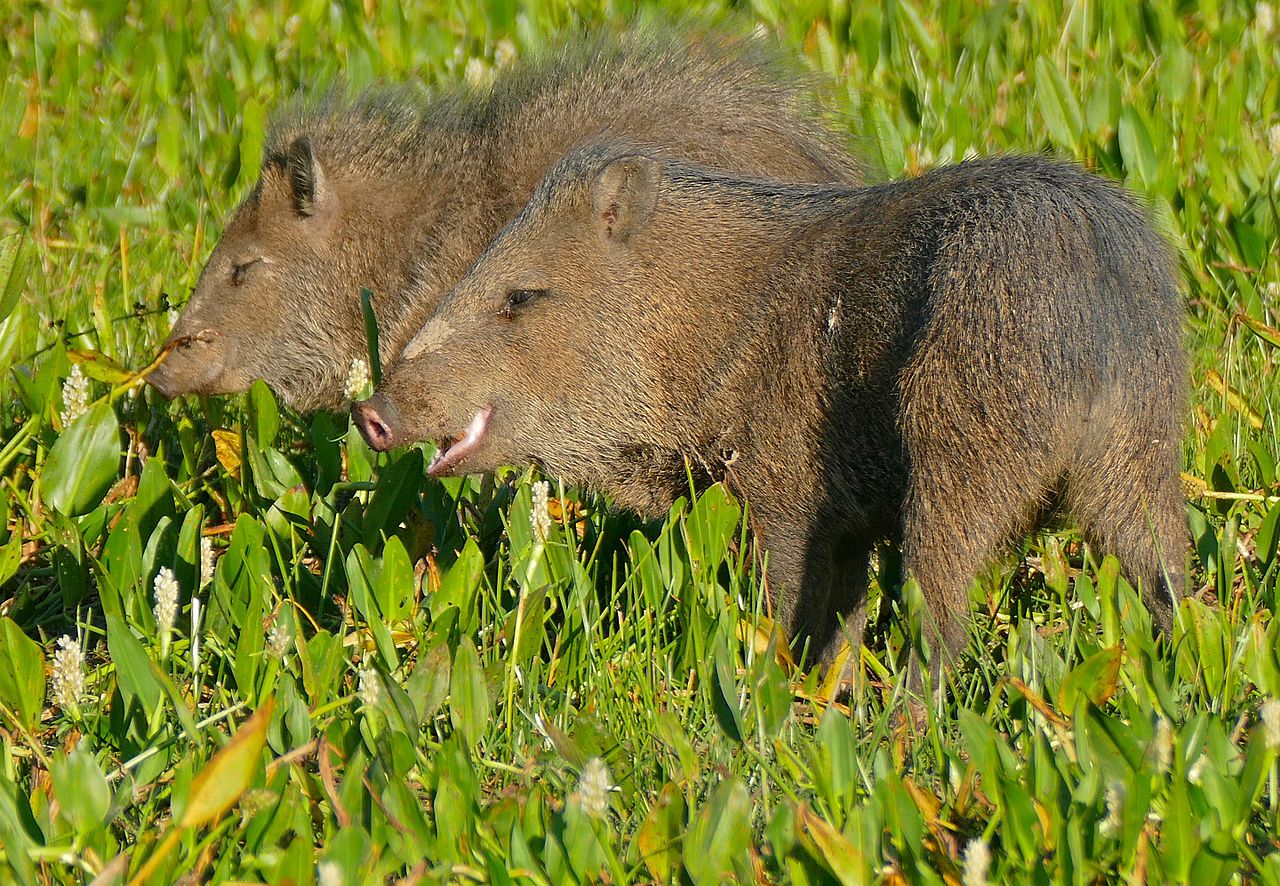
392,677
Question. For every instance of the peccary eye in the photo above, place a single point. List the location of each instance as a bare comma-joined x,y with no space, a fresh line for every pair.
240,269
519,297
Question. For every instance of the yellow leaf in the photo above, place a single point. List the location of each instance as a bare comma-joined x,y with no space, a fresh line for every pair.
1269,334
1234,398
563,510
226,445
1037,701
218,786
842,858
30,124
830,688
100,366
759,632
926,801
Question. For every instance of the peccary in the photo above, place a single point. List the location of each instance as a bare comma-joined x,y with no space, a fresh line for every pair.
401,195
933,362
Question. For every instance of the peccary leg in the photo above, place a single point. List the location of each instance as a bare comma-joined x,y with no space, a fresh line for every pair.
847,619
851,561
950,531
798,576
1127,499
943,567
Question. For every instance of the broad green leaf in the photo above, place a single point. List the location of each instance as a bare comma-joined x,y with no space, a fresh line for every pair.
371,335
726,697
347,852
672,733
1058,104
21,673
10,557
469,696
1136,148
15,814
83,463
323,663
133,666
719,833
1095,679
395,584
1111,737
264,414
81,789
1175,71
98,365
660,836
364,576
1268,538
712,523
458,588
252,137
1180,831
836,772
16,252
1217,861
428,686
394,497
1102,113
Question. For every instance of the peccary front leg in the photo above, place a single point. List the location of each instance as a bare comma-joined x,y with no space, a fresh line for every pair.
847,610
798,572
817,585
847,617
798,582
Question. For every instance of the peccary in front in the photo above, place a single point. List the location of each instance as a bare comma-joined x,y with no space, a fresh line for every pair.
934,362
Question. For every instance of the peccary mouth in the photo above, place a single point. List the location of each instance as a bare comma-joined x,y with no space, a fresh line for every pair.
450,451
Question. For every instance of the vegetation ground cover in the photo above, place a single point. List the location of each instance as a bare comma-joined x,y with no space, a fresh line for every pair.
385,676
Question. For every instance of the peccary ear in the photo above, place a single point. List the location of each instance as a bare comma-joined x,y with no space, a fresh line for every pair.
624,195
307,182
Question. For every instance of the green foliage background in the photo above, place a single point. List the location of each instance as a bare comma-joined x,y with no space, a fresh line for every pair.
432,717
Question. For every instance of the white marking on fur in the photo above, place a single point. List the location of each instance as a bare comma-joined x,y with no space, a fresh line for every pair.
430,339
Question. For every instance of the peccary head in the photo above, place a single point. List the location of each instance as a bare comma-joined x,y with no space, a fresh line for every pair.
590,330
282,261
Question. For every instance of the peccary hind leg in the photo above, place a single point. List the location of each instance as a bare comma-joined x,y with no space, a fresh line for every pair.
1126,497
950,532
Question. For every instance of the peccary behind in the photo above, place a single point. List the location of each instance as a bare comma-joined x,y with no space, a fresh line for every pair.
932,361
400,194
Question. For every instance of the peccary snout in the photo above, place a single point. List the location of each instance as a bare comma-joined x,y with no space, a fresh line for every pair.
377,420
196,365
